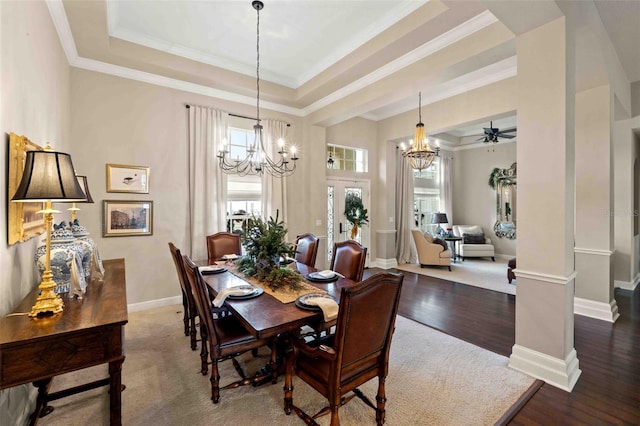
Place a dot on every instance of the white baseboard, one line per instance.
(561, 373)
(158, 303)
(627, 285)
(384, 263)
(598, 310)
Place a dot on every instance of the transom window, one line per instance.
(346, 158)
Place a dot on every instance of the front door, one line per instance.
(338, 228)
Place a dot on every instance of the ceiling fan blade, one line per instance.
(480, 139)
(506, 136)
(509, 130)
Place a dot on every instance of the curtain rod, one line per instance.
(242, 116)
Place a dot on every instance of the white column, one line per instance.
(594, 205)
(544, 345)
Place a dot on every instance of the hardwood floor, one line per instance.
(607, 392)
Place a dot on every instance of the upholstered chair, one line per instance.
(358, 351)
(223, 336)
(307, 249)
(223, 243)
(188, 304)
(431, 253)
(474, 242)
(348, 259)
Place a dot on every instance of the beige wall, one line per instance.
(474, 202)
(121, 121)
(34, 103)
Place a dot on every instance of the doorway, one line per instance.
(338, 229)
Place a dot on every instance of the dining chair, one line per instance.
(307, 249)
(348, 259)
(222, 243)
(224, 335)
(358, 351)
(189, 306)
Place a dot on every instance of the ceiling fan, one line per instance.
(491, 134)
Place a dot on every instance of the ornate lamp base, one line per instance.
(48, 303)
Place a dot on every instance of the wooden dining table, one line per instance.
(265, 316)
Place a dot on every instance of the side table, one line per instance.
(453, 243)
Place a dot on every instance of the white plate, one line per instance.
(230, 256)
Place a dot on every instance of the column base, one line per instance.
(561, 373)
(598, 310)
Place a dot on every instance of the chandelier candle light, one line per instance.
(420, 155)
(258, 159)
(48, 177)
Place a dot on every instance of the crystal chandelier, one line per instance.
(258, 159)
(420, 155)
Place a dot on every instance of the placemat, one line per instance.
(284, 295)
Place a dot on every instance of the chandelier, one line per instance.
(420, 155)
(258, 159)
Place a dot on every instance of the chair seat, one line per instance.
(445, 254)
(475, 248)
(231, 332)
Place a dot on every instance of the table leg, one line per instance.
(115, 392)
(42, 402)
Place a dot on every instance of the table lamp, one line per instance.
(48, 177)
(82, 181)
(439, 218)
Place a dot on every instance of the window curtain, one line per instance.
(446, 187)
(207, 183)
(274, 189)
(405, 249)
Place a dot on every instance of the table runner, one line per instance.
(284, 295)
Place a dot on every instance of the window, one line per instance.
(243, 192)
(345, 158)
(426, 196)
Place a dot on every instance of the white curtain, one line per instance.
(405, 248)
(207, 183)
(446, 187)
(274, 189)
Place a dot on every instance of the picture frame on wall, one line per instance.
(125, 218)
(123, 178)
(23, 220)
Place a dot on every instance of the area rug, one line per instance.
(434, 379)
(478, 272)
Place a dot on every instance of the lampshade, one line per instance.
(48, 176)
(82, 181)
(439, 218)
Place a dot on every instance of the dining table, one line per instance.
(265, 316)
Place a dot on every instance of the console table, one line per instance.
(90, 331)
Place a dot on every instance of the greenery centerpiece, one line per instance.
(355, 212)
(265, 245)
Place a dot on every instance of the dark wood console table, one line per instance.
(90, 331)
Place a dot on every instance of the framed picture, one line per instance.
(126, 218)
(121, 178)
(23, 221)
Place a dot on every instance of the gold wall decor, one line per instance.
(23, 220)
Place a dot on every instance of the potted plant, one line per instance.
(355, 213)
(265, 245)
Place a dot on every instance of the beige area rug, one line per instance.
(434, 379)
(478, 272)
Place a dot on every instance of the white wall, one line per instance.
(34, 102)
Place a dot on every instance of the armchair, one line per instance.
(430, 253)
(484, 248)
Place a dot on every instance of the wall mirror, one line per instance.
(505, 183)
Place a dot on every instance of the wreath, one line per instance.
(355, 212)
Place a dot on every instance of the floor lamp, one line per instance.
(48, 177)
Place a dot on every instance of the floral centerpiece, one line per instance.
(265, 245)
(355, 212)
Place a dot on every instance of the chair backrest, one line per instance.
(348, 259)
(365, 324)
(223, 243)
(307, 249)
(202, 300)
(184, 282)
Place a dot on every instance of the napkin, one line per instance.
(210, 268)
(231, 291)
(328, 306)
(328, 273)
